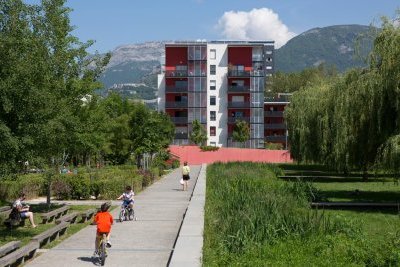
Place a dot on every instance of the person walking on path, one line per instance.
(185, 176)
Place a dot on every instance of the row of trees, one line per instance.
(241, 133)
(48, 109)
(353, 120)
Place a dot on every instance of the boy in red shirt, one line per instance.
(103, 220)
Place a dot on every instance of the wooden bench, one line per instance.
(18, 256)
(9, 247)
(5, 213)
(87, 215)
(5, 208)
(54, 214)
(71, 218)
(51, 234)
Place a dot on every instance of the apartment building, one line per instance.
(216, 83)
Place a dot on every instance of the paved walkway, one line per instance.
(148, 241)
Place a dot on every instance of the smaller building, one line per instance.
(275, 128)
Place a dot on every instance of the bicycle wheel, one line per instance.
(131, 214)
(103, 253)
(122, 215)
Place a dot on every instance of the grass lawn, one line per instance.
(374, 224)
(24, 234)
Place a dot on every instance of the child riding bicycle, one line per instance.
(127, 198)
(103, 220)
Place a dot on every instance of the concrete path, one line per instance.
(148, 241)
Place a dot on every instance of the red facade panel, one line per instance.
(175, 56)
(240, 56)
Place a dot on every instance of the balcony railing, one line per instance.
(277, 99)
(176, 104)
(176, 73)
(239, 89)
(257, 73)
(275, 138)
(179, 120)
(197, 73)
(257, 58)
(273, 114)
(181, 136)
(174, 89)
(275, 126)
(238, 105)
(239, 73)
(234, 119)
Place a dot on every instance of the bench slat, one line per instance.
(49, 216)
(19, 255)
(48, 234)
(9, 247)
(4, 208)
(86, 215)
(71, 218)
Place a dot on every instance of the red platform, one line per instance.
(193, 155)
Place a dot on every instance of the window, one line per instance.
(213, 69)
(213, 85)
(213, 115)
(213, 101)
(213, 144)
(213, 131)
(213, 54)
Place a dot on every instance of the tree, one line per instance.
(43, 75)
(241, 132)
(151, 131)
(198, 135)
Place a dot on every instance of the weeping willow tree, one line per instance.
(353, 121)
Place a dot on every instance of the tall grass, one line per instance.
(249, 212)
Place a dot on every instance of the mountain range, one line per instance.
(134, 67)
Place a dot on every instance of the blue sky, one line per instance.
(118, 22)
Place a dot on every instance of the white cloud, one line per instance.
(257, 24)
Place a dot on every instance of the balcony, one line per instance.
(239, 73)
(276, 138)
(260, 73)
(181, 136)
(233, 120)
(275, 126)
(257, 58)
(174, 89)
(179, 120)
(176, 104)
(197, 73)
(283, 98)
(238, 104)
(176, 73)
(273, 114)
(239, 89)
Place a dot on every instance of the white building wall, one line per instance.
(221, 122)
(161, 92)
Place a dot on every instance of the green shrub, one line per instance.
(61, 189)
(209, 148)
(30, 184)
(273, 146)
(80, 186)
(175, 164)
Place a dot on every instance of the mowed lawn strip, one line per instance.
(25, 233)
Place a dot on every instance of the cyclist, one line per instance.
(103, 220)
(127, 197)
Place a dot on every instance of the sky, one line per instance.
(119, 22)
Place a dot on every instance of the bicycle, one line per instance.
(126, 213)
(102, 249)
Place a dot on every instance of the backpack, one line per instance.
(14, 219)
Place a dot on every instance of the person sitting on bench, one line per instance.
(24, 209)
